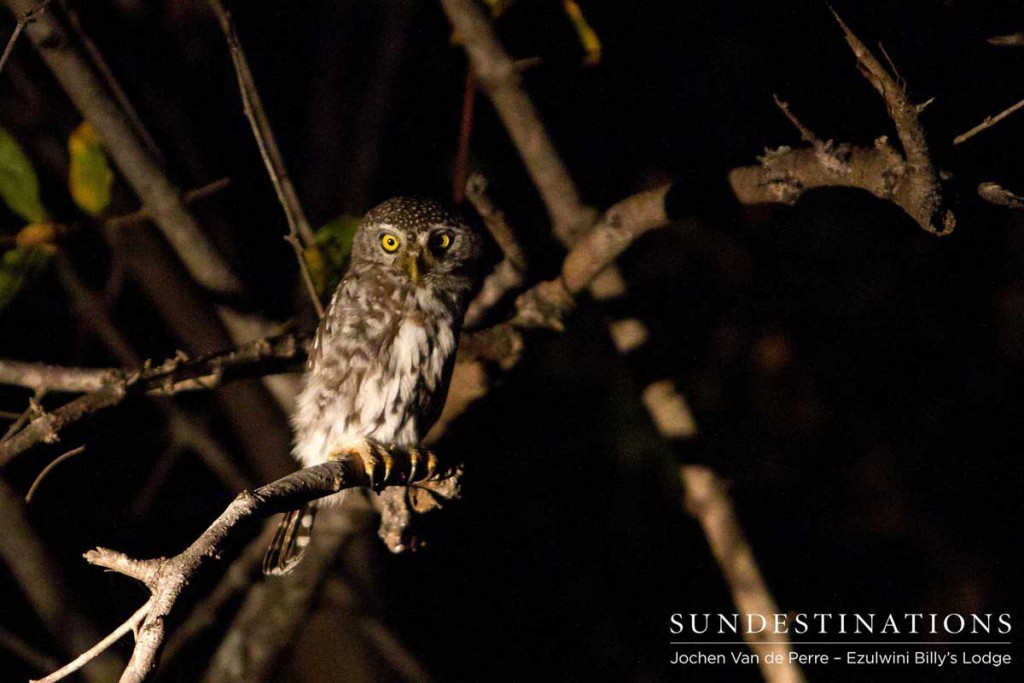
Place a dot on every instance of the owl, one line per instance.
(382, 357)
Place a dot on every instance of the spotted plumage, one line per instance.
(382, 357)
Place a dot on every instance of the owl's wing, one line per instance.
(327, 324)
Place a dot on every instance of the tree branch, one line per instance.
(570, 218)
(997, 194)
(988, 123)
(300, 235)
(510, 273)
(908, 180)
(708, 502)
(263, 356)
(354, 465)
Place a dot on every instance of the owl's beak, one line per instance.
(417, 266)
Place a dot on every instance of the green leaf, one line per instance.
(19, 186)
(19, 267)
(334, 242)
(89, 178)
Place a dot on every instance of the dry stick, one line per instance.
(708, 501)
(174, 375)
(23, 19)
(569, 218)
(510, 273)
(96, 650)
(988, 123)
(997, 194)
(24, 417)
(53, 377)
(300, 235)
(243, 572)
(167, 578)
(918, 192)
(49, 468)
(908, 180)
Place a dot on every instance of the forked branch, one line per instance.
(357, 464)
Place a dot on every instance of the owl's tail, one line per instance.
(290, 542)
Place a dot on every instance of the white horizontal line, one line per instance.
(812, 642)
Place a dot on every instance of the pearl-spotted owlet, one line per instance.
(382, 357)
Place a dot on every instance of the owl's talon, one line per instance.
(376, 459)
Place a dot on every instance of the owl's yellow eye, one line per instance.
(389, 243)
(442, 240)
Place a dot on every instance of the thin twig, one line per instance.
(189, 197)
(81, 660)
(510, 273)
(300, 235)
(112, 83)
(49, 468)
(805, 133)
(988, 123)
(24, 417)
(23, 20)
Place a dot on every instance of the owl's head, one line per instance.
(417, 240)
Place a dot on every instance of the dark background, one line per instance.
(856, 380)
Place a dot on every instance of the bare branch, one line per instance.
(352, 466)
(257, 358)
(917, 191)
(510, 273)
(1008, 40)
(988, 123)
(23, 19)
(96, 650)
(708, 502)
(570, 217)
(300, 235)
(49, 468)
(499, 77)
(997, 194)
(54, 377)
